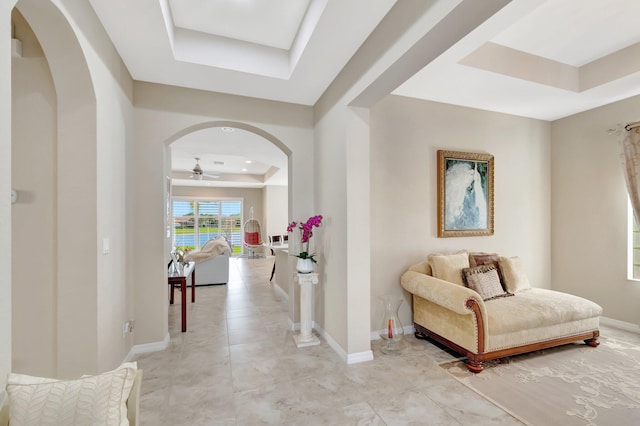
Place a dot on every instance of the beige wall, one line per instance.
(405, 137)
(403, 43)
(93, 91)
(5, 191)
(330, 240)
(33, 245)
(589, 210)
(276, 209)
(162, 115)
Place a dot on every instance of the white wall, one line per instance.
(162, 115)
(33, 245)
(589, 210)
(405, 137)
(276, 209)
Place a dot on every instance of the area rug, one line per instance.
(569, 385)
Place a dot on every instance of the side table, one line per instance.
(181, 280)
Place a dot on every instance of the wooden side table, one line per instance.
(175, 279)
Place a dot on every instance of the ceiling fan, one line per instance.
(198, 173)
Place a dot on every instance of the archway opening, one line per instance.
(228, 165)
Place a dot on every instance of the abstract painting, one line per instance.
(465, 194)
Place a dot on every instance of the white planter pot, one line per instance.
(304, 266)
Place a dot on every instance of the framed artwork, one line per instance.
(465, 194)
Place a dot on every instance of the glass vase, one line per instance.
(391, 331)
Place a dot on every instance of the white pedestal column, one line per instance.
(306, 337)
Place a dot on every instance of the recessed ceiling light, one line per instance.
(244, 170)
(228, 129)
(248, 161)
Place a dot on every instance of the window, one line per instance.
(197, 221)
(635, 249)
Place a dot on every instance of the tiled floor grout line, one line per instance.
(248, 371)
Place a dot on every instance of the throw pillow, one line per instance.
(477, 259)
(449, 267)
(90, 400)
(513, 274)
(252, 238)
(485, 281)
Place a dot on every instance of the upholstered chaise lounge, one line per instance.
(486, 323)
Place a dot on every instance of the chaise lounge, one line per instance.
(483, 307)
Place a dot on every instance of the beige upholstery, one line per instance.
(534, 318)
(133, 404)
(212, 262)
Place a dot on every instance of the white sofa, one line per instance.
(212, 262)
(481, 328)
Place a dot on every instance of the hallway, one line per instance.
(237, 365)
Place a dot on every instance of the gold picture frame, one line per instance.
(465, 194)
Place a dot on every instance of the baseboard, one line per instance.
(293, 326)
(331, 342)
(360, 357)
(348, 358)
(146, 348)
(622, 325)
(280, 291)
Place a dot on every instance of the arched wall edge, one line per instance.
(238, 125)
(76, 151)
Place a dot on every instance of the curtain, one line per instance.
(630, 144)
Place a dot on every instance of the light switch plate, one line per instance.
(105, 246)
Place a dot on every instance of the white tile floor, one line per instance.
(237, 365)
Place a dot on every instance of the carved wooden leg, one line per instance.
(474, 366)
(474, 363)
(420, 335)
(593, 342)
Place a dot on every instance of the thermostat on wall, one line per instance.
(14, 196)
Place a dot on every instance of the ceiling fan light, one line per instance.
(197, 170)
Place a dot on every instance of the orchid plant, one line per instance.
(306, 232)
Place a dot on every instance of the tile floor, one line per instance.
(237, 365)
